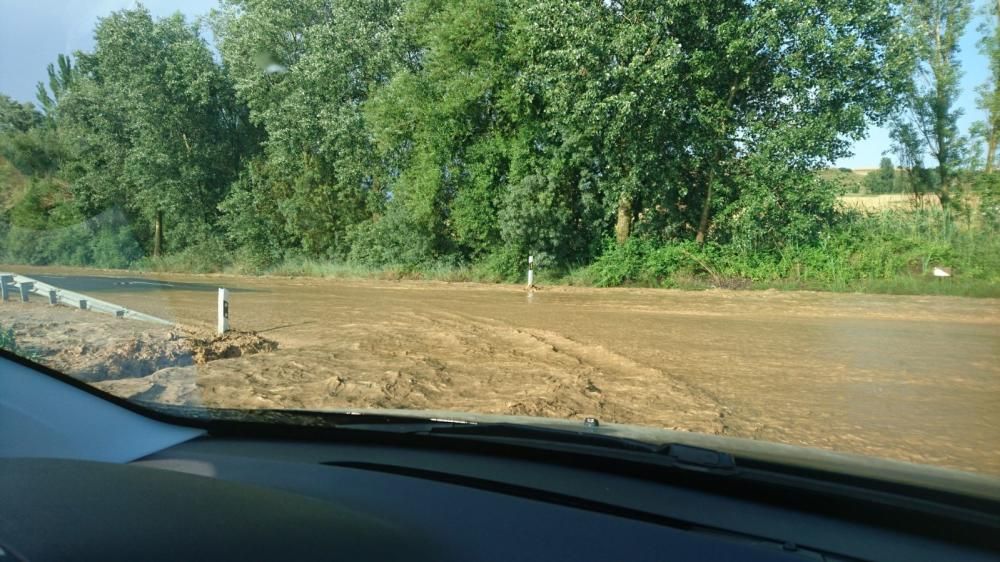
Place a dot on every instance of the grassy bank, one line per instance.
(887, 252)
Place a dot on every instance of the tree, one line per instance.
(16, 116)
(883, 180)
(305, 69)
(61, 75)
(930, 118)
(602, 80)
(676, 100)
(989, 92)
(23, 142)
(151, 125)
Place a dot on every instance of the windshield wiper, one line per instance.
(683, 456)
(516, 431)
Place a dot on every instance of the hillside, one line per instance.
(12, 184)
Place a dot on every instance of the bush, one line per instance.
(210, 255)
(641, 261)
(8, 343)
(855, 251)
(776, 207)
(392, 240)
(103, 241)
(253, 222)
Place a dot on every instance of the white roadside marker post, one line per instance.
(223, 311)
(531, 272)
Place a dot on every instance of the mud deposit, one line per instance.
(97, 348)
(910, 378)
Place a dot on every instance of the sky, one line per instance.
(34, 32)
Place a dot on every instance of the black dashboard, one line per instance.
(229, 499)
(82, 477)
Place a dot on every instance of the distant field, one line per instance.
(885, 201)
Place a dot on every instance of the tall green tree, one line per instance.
(676, 101)
(305, 68)
(989, 91)
(882, 180)
(930, 118)
(151, 125)
(24, 142)
(61, 75)
(16, 116)
(468, 177)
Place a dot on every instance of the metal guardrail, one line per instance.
(9, 282)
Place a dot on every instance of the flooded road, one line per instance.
(909, 378)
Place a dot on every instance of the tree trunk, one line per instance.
(705, 210)
(991, 144)
(158, 234)
(623, 226)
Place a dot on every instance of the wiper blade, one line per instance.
(683, 456)
(675, 454)
(292, 417)
(355, 419)
(548, 434)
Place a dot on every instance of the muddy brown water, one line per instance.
(910, 378)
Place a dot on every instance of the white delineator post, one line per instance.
(223, 311)
(531, 272)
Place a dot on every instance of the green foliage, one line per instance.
(15, 116)
(149, 122)
(883, 180)
(844, 180)
(8, 341)
(763, 218)
(36, 235)
(253, 221)
(989, 94)
(450, 140)
(62, 74)
(209, 255)
(929, 120)
(856, 252)
(304, 69)
(988, 188)
(394, 239)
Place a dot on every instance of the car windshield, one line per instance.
(774, 220)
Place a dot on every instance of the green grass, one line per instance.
(306, 267)
(8, 342)
(889, 252)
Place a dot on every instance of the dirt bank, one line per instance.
(910, 378)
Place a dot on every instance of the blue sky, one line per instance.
(34, 32)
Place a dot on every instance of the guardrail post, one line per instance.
(26, 288)
(83, 304)
(5, 287)
(53, 297)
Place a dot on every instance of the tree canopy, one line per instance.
(423, 131)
